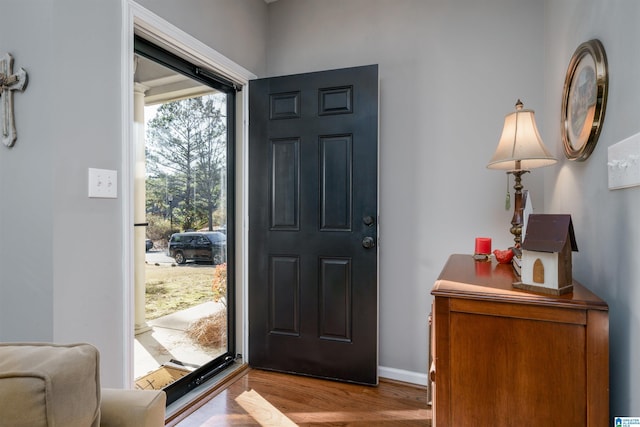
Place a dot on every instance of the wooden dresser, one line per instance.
(507, 357)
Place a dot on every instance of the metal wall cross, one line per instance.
(9, 83)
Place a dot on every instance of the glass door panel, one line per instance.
(182, 202)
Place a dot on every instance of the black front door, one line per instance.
(313, 285)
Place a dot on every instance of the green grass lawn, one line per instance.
(173, 288)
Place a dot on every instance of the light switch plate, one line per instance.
(103, 183)
(623, 163)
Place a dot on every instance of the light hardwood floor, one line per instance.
(261, 398)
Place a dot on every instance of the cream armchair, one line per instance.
(59, 385)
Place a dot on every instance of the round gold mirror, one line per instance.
(584, 100)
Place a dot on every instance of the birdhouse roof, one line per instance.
(549, 233)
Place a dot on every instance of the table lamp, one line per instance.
(520, 149)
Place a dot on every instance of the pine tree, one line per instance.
(186, 147)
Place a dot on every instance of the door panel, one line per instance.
(335, 187)
(285, 208)
(284, 290)
(335, 299)
(313, 291)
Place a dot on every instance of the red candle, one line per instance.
(483, 245)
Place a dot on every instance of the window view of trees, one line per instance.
(186, 154)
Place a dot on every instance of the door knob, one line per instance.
(368, 242)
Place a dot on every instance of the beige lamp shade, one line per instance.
(520, 141)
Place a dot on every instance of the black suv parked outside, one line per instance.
(208, 246)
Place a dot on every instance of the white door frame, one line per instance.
(138, 20)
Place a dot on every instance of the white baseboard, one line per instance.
(402, 375)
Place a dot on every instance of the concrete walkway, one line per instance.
(167, 340)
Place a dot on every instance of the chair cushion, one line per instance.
(132, 408)
(49, 385)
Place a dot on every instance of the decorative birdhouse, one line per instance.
(546, 254)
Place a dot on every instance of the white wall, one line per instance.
(236, 29)
(26, 180)
(61, 264)
(85, 106)
(606, 222)
(449, 73)
(61, 259)
(448, 76)
(450, 70)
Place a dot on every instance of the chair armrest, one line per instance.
(132, 408)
